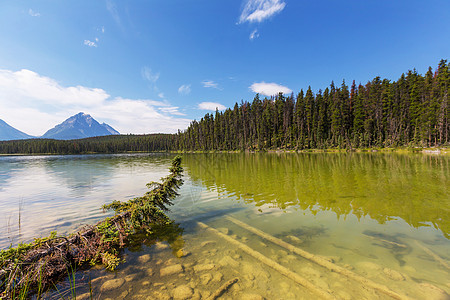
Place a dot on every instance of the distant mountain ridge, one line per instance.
(110, 129)
(8, 133)
(79, 126)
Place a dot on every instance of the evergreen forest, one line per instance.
(412, 111)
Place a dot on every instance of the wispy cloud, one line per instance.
(33, 13)
(148, 75)
(260, 10)
(254, 34)
(91, 43)
(112, 8)
(185, 89)
(173, 110)
(211, 106)
(269, 89)
(35, 103)
(210, 84)
(161, 95)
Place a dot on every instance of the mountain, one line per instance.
(8, 133)
(110, 129)
(79, 126)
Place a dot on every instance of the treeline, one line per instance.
(414, 110)
(103, 144)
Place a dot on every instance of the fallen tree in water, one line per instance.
(33, 268)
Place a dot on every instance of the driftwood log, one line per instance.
(320, 261)
(32, 268)
(271, 263)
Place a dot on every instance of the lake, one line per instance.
(271, 225)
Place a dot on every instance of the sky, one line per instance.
(147, 66)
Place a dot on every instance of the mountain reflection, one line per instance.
(382, 186)
(81, 173)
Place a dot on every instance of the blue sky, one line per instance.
(153, 66)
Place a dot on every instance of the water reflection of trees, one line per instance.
(9, 166)
(414, 188)
(172, 233)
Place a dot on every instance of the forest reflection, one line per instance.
(383, 186)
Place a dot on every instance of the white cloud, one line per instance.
(148, 75)
(148, 101)
(260, 10)
(34, 103)
(173, 110)
(210, 84)
(28, 84)
(33, 13)
(269, 89)
(185, 89)
(254, 34)
(90, 43)
(94, 43)
(211, 106)
(161, 95)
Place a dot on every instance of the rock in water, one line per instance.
(170, 270)
(204, 267)
(182, 292)
(112, 284)
(182, 253)
(144, 258)
(394, 275)
(205, 278)
(145, 283)
(218, 277)
(160, 246)
(85, 296)
(160, 296)
(130, 277)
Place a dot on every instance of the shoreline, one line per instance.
(428, 150)
(445, 150)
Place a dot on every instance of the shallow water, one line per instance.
(61, 193)
(380, 222)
